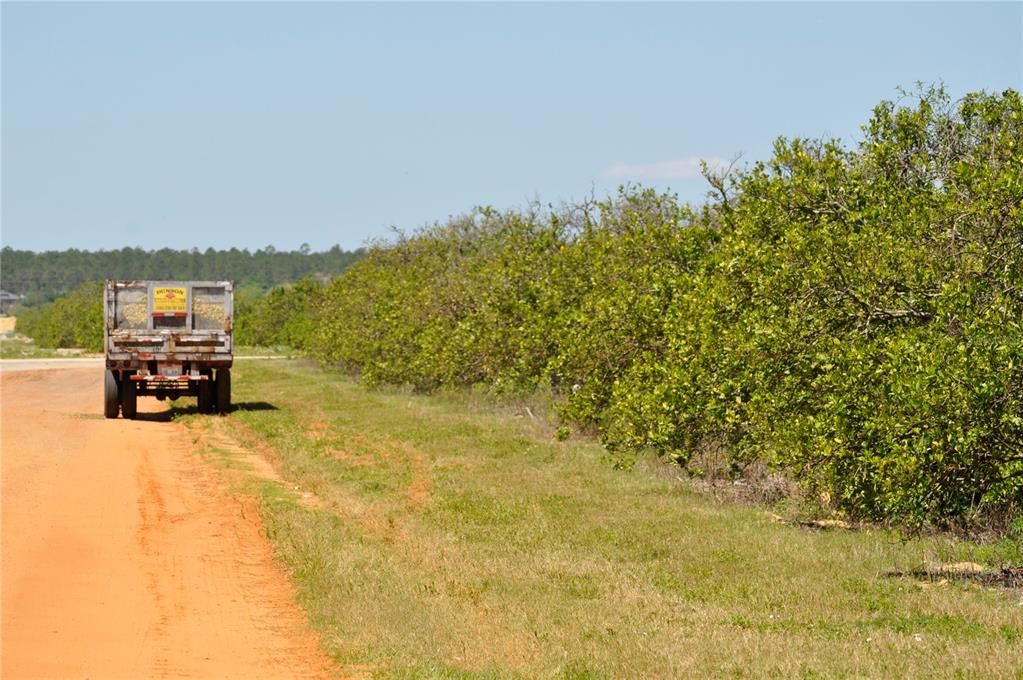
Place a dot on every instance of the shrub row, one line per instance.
(849, 315)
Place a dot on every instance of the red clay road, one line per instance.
(123, 557)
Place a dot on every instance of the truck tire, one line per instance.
(223, 390)
(111, 395)
(206, 393)
(129, 397)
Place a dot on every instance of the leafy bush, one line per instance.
(74, 320)
(851, 316)
(859, 323)
(287, 315)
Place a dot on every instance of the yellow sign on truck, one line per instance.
(170, 300)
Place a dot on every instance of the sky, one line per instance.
(252, 124)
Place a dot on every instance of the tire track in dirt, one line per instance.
(122, 555)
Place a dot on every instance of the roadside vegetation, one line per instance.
(849, 317)
(14, 345)
(285, 317)
(17, 346)
(451, 536)
(74, 320)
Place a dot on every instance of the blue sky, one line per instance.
(253, 124)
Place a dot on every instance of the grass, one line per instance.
(17, 346)
(444, 537)
(265, 351)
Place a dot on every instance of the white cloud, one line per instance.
(681, 168)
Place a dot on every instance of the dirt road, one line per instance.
(122, 557)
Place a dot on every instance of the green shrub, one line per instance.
(849, 316)
(859, 323)
(74, 320)
(287, 315)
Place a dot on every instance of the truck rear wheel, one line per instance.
(206, 392)
(111, 395)
(129, 397)
(223, 390)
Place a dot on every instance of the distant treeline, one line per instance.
(42, 277)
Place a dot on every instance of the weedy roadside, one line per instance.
(440, 537)
(17, 346)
